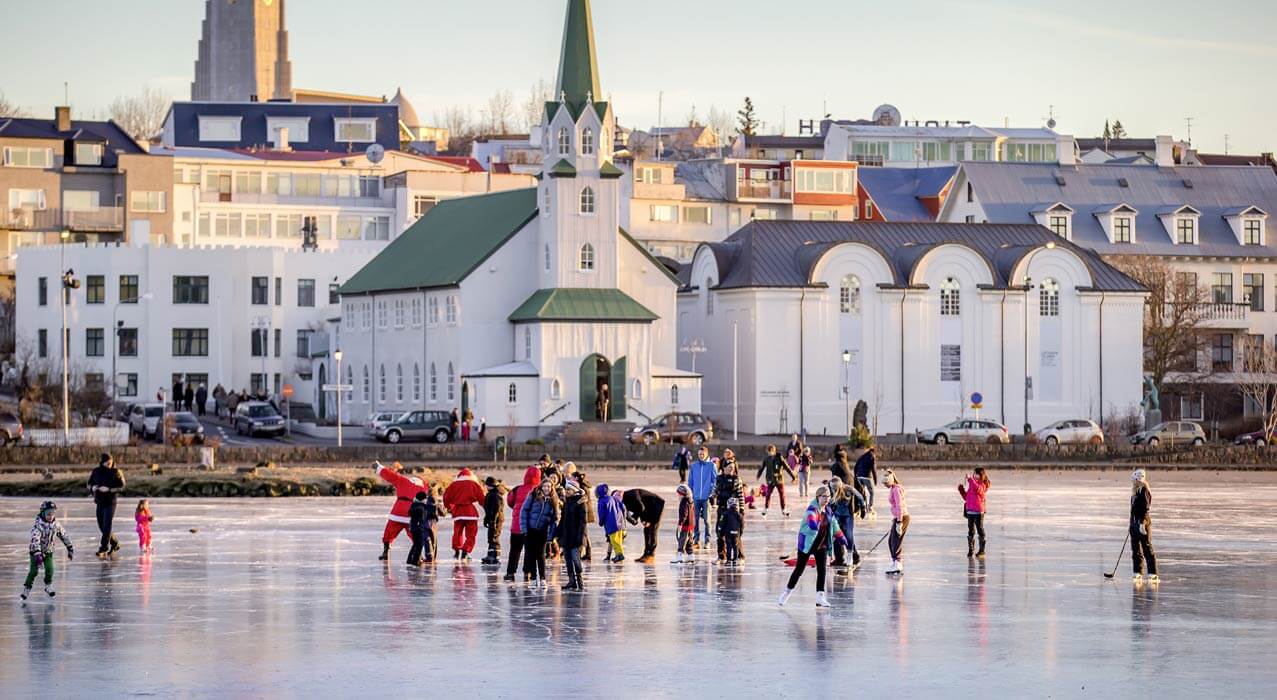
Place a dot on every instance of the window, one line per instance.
(421, 205)
(452, 309)
(709, 297)
(432, 307)
(1121, 229)
(356, 130)
(527, 343)
(416, 312)
(376, 228)
(248, 182)
(219, 128)
(42, 291)
(824, 180)
(547, 257)
(1253, 354)
(1059, 225)
(981, 151)
(1253, 289)
(664, 213)
(95, 289)
(587, 201)
(190, 289)
(95, 342)
(951, 363)
(153, 202)
(190, 342)
(869, 209)
(81, 200)
(129, 385)
(512, 394)
(1221, 352)
(334, 295)
(452, 384)
(128, 342)
(1049, 298)
(556, 389)
(545, 209)
(764, 215)
(1252, 230)
(381, 383)
(416, 383)
(383, 318)
(587, 258)
(42, 342)
(1186, 284)
(399, 383)
(824, 215)
(257, 225)
(1185, 230)
(697, 215)
(128, 289)
(349, 227)
(636, 389)
(279, 291)
(935, 150)
(674, 395)
(849, 295)
(587, 142)
(306, 293)
(950, 297)
(260, 291)
(565, 142)
(434, 384)
(303, 343)
(1190, 407)
(27, 200)
(260, 341)
(648, 176)
(298, 128)
(1221, 288)
(17, 157)
(401, 316)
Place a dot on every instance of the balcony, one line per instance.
(649, 190)
(773, 190)
(1224, 315)
(102, 219)
(32, 219)
(208, 197)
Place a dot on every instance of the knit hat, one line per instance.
(47, 506)
(490, 481)
(1138, 475)
(682, 490)
(571, 488)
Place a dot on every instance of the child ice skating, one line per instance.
(816, 535)
(46, 527)
(571, 533)
(843, 502)
(1141, 528)
(142, 516)
(612, 518)
(973, 496)
(686, 524)
(732, 523)
(422, 516)
(494, 518)
(899, 522)
(538, 518)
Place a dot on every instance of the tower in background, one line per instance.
(243, 52)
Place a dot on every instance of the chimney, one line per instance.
(62, 115)
(1165, 153)
(281, 139)
(1066, 150)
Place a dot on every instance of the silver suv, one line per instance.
(418, 425)
(379, 420)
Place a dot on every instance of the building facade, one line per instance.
(243, 52)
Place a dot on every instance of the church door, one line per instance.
(596, 372)
(617, 384)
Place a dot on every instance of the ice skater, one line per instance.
(973, 496)
(726, 487)
(732, 522)
(406, 488)
(819, 530)
(844, 500)
(643, 506)
(700, 480)
(515, 499)
(46, 527)
(774, 469)
(866, 472)
(494, 517)
(1141, 528)
(612, 518)
(463, 498)
(419, 528)
(804, 471)
(105, 483)
(571, 533)
(899, 522)
(538, 517)
(143, 518)
(686, 522)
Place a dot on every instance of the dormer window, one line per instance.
(1248, 224)
(1122, 226)
(1252, 232)
(1185, 230)
(565, 142)
(88, 154)
(1056, 216)
(587, 142)
(355, 130)
(1059, 225)
(1181, 224)
(1118, 221)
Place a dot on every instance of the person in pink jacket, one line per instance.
(142, 516)
(973, 492)
(899, 522)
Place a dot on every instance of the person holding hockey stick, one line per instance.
(1141, 528)
(899, 522)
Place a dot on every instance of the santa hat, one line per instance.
(465, 473)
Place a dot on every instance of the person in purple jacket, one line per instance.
(612, 518)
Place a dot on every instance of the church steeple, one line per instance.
(578, 65)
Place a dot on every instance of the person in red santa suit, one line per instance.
(406, 489)
(464, 498)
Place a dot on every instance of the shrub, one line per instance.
(860, 437)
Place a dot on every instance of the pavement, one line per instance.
(285, 598)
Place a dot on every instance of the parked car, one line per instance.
(418, 425)
(253, 418)
(966, 430)
(124, 410)
(145, 419)
(1182, 432)
(1259, 438)
(186, 425)
(1072, 432)
(681, 427)
(10, 428)
(379, 420)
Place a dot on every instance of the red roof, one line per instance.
(466, 162)
(501, 168)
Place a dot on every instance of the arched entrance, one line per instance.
(602, 378)
(465, 399)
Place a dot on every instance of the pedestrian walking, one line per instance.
(201, 400)
(188, 398)
(804, 472)
(817, 533)
(866, 471)
(571, 533)
(973, 492)
(643, 506)
(773, 472)
(515, 499)
(40, 551)
(454, 425)
(463, 498)
(538, 517)
(1141, 527)
(682, 462)
(701, 476)
(105, 483)
(899, 522)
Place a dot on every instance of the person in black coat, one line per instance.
(646, 507)
(201, 400)
(417, 527)
(105, 483)
(1141, 527)
(571, 533)
(494, 517)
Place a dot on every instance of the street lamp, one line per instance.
(693, 347)
(846, 387)
(69, 282)
(337, 356)
(1028, 287)
(115, 352)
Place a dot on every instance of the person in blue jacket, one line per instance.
(816, 535)
(612, 518)
(700, 479)
(538, 518)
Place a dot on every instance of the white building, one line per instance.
(242, 317)
(925, 314)
(520, 306)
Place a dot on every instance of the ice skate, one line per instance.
(784, 513)
(49, 589)
(1137, 579)
(26, 592)
(764, 514)
(1153, 579)
(784, 597)
(822, 601)
(678, 558)
(385, 552)
(508, 577)
(618, 559)
(894, 568)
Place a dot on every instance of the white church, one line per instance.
(522, 307)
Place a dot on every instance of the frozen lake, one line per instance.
(285, 598)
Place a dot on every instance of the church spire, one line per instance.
(578, 66)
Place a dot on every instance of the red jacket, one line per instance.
(406, 489)
(464, 496)
(531, 480)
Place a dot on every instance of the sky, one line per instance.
(1150, 63)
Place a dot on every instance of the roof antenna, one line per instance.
(66, 93)
(1225, 144)
(1189, 122)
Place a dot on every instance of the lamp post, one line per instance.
(337, 356)
(115, 351)
(735, 404)
(846, 387)
(693, 347)
(69, 282)
(1028, 287)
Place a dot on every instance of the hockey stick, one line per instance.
(871, 549)
(1119, 556)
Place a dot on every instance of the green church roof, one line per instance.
(563, 169)
(581, 304)
(447, 244)
(609, 171)
(578, 65)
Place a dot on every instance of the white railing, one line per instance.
(1239, 313)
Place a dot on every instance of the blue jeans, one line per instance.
(847, 524)
(702, 516)
(868, 485)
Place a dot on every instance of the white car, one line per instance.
(145, 419)
(966, 430)
(380, 420)
(1071, 432)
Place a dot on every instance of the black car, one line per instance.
(187, 425)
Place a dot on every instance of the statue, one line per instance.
(1152, 401)
(861, 414)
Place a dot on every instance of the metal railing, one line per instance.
(634, 408)
(776, 189)
(32, 219)
(317, 200)
(100, 219)
(555, 412)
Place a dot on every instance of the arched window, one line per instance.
(636, 392)
(565, 142)
(527, 343)
(950, 297)
(1049, 298)
(350, 382)
(674, 395)
(587, 201)
(849, 295)
(556, 389)
(587, 257)
(547, 257)
(381, 383)
(416, 383)
(709, 297)
(452, 384)
(399, 383)
(367, 386)
(434, 384)
(587, 142)
(513, 394)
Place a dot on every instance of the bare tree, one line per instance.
(142, 116)
(10, 109)
(641, 145)
(1258, 383)
(460, 125)
(534, 106)
(723, 124)
(1174, 319)
(8, 321)
(499, 113)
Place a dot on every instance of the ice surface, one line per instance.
(284, 598)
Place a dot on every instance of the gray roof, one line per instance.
(897, 191)
(703, 179)
(1010, 191)
(784, 253)
(775, 141)
(1108, 145)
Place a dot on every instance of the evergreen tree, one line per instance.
(747, 119)
(1108, 133)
